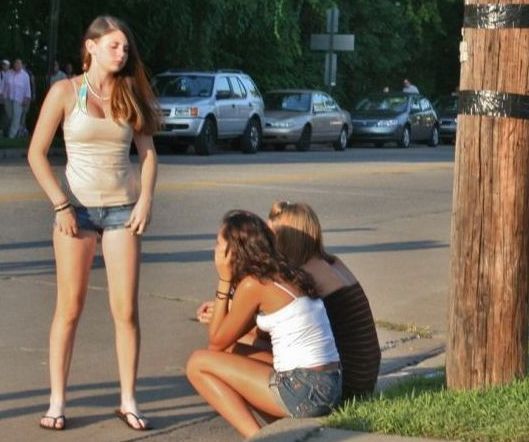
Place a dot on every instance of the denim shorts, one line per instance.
(99, 219)
(303, 392)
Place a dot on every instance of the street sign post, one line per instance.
(331, 42)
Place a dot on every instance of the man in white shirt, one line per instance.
(409, 88)
(17, 95)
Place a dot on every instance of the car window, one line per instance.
(243, 89)
(319, 103)
(251, 87)
(290, 102)
(415, 106)
(382, 103)
(236, 88)
(223, 86)
(330, 104)
(183, 85)
(447, 104)
(425, 105)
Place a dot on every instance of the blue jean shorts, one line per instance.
(303, 392)
(99, 219)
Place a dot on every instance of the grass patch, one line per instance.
(421, 332)
(423, 407)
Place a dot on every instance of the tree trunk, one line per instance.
(487, 330)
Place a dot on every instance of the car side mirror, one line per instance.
(222, 95)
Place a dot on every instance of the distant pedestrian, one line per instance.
(23, 130)
(17, 91)
(4, 69)
(57, 73)
(408, 87)
(68, 70)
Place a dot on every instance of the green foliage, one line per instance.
(269, 39)
(424, 407)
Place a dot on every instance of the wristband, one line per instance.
(225, 280)
(221, 295)
(63, 207)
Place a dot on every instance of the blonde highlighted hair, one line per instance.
(298, 232)
(132, 98)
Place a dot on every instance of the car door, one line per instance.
(243, 111)
(226, 108)
(334, 119)
(415, 119)
(320, 119)
(428, 117)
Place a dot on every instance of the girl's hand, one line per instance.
(223, 261)
(66, 223)
(205, 312)
(140, 217)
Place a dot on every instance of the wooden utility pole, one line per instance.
(487, 331)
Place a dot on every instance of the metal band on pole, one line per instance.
(495, 16)
(494, 104)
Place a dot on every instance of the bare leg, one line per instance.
(233, 384)
(122, 256)
(73, 258)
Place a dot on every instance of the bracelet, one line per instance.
(221, 295)
(63, 207)
(225, 280)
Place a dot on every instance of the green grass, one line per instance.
(423, 407)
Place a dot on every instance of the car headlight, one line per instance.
(186, 111)
(282, 124)
(387, 123)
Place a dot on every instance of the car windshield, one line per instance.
(447, 104)
(183, 85)
(290, 102)
(382, 103)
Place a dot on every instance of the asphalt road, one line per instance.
(385, 212)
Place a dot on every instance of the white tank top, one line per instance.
(300, 333)
(98, 172)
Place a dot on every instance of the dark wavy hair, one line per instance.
(254, 253)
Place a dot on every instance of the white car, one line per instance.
(302, 117)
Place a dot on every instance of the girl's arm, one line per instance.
(51, 114)
(141, 214)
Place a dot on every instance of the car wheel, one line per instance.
(303, 143)
(251, 139)
(280, 147)
(206, 142)
(434, 137)
(341, 142)
(379, 144)
(405, 138)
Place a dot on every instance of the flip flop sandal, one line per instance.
(53, 426)
(142, 422)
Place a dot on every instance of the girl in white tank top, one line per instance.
(305, 379)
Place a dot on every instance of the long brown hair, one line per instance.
(132, 98)
(254, 253)
(298, 232)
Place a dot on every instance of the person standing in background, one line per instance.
(57, 73)
(4, 69)
(17, 94)
(408, 87)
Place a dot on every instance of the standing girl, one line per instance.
(101, 112)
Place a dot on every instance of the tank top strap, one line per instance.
(282, 287)
(82, 95)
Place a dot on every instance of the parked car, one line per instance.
(446, 108)
(204, 107)
(395, 117)
(300, 117)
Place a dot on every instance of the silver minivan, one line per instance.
(201, 108)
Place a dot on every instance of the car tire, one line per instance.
(280, 147)
(405, 138)
(341, 142)
(206, 141)
(252, 137)
(303, 143)
(379, 144)
(434, 137)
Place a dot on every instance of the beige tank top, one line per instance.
(98, 171)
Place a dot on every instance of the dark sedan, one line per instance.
(397, 117)
(447, 110)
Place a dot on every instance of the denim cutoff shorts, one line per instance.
(99, 219)
(303, 392)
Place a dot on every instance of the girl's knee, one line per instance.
(197, 362)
